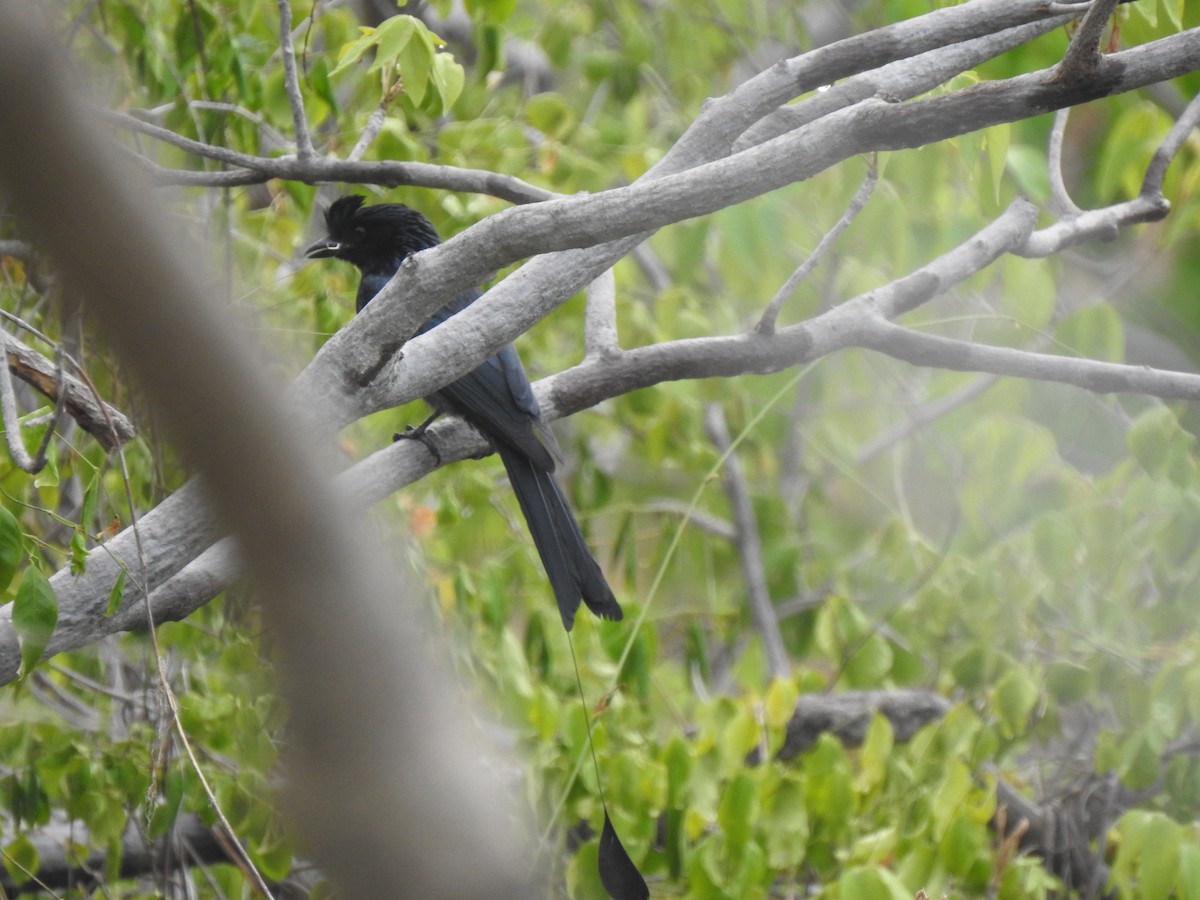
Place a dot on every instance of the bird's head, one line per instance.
(372, 236)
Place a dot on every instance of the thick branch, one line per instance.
(105, 423)
(352, 359)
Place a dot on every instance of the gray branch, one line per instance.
(749, 546)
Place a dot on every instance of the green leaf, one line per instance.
(1189, 872)
(21, 859)
(353, 51)
(549, 113)
(491, 10)
(448, 79)
(1159, 863)
(1093, 332)
(738, 738)
(1014, 699)
(116, 595)
(875, 753)
(415, 61)
(11, 545)
(1140, 759)
(1028, 166)
(996, 143)
(318, 79)
(779, 705)
(872, 884)
(394, 35)
(1068, 682)
(785, 825)
(872, 660)
(79, 537)
(1174, 10)
(738, 812)
(950, 796)
(679, 760)
(1160, 444)
(35, 613)
(1148, 11)
(49, 476)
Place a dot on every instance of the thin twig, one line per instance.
(1059, 195)
(248, 114)
(749, 545)
(714, 525)
(766, 325)
(375, 121)
(1156, 172)
(12, 427)
(304, 144)
(1083, 53)
(922, 417)
(252, 169)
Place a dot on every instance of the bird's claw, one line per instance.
(419, 434)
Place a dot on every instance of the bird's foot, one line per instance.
(419, 434)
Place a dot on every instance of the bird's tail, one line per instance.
(574, 573)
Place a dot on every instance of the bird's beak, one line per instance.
(323, 248)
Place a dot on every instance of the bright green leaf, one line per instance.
(11, 545)
(872, 884)
(738, 812)
(21, 859)
(785, 825)
(875, 753)
(394, 35)
(779, 704)
(996, 141)
(448, 78)
(1159, 863)
(415, 61)
(116, 595)
(353, 51)
(1014, 699)
(35, 613)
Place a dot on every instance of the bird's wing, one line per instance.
(497, 398)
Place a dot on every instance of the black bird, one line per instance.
(495, 398)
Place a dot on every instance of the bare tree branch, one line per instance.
(355, 372)
(600, 325)
(1089, 374)
(1156, 172)
(252, 169)
(922, 417)
(105, 423)
(749, 546)
(291, 83)
(12, 428)
(766, 324)
(1083, 54)
(1059, 195)
(16, 249)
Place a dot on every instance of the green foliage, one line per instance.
(1030, 554)
(34, 615)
